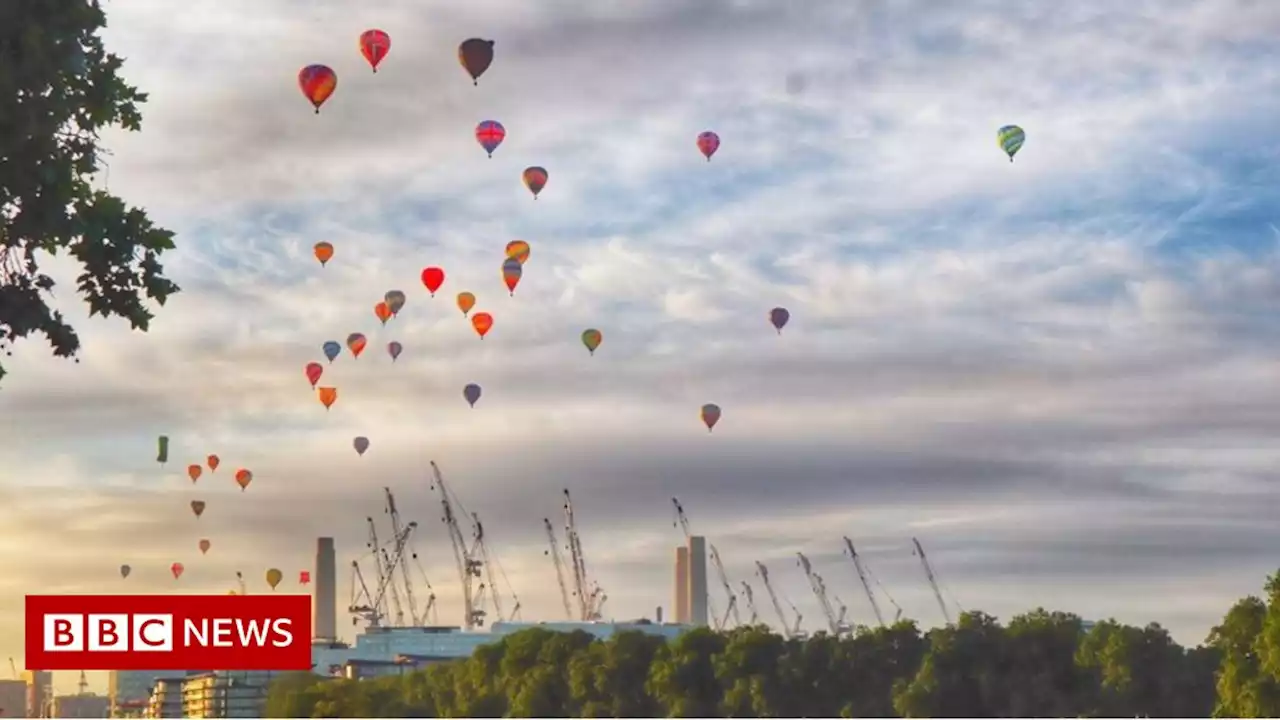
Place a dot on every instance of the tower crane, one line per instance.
(13, 668)
(398, 530)
(590, 595)
(933, 581)
(819, 591)
(842, 615)
(385, 573)
(795, 630)
(240, 583)
(750, 597)
(731, 610)
(428, 616)
(763, 572)
(862, 576)
(372, 604)
(491, 575)
(465, 556)
(553, 551)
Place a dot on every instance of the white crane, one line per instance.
(591, 596)
(787, 628)
(933, 581)
(553, 550)
(819, 591)
(401, 533)
(492, 571)
(866, 584)
(464, 556)
(731, 610)
(750, 597)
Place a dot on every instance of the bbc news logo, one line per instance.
(168, 632)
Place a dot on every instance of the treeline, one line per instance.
(1042, 664)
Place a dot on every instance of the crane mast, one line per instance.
(240, 583)
(795, 630)
(386, 573)
(491, 577)
(819, 591)
(464, 557)
(731, 610)
(590, 595)
(862, 576)
(398, 530)
(750, 597)
(554, 552)
(763, 572)
(933, 581)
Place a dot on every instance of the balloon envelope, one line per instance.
(511, 272)
(535, 178)
(313, 372)
(332, 349)
(374, 46)
(394, 349)
(176, 569)
(476, 56)
(490, 135)
(710, 415)
(395, 300)
(779, 317)
(243, 478)
(194, 472)
(519, 250)
(328, 396)
(274, 577)
(356, 343)
(708, 143)
(466, 301)
(162, 449)
(317, 83)
(1011, 139)
(204, 546)
(592, 338)
(482, 322)
(125, 570)
(361, 444)
(197, 507)
(213, 462)
(472, 393)
(323, 252)
(432, 279)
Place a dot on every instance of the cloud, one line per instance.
(1056, 373)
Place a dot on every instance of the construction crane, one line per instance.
(795, 631)
(482, 548)
(763, 572)
(897, 609)
(862, 576)
(428, 615)
(465, 557)
(842, 615)
(13, 668)
(372, 604)
(402, 535)
(363, 602)
(819, 591)
(553, 551)
(933, 581)
(590, 595)
(731, 610)
(751, 603)
(386, 573)
(240, 583)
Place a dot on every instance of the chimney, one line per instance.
(698, 596)
(325, 592)
(657, 613)
(682, 586)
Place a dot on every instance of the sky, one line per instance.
(1060, 373)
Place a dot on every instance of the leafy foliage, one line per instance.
(58, 89)
(1042, 664)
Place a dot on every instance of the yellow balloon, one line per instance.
(274, 577)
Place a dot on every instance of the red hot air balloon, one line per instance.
(708, 143)
(374, 46)
(482, 322)
(490, 135)
(535, 178)
(317, 83)
(432, 279)
(314, 371)
(176, 569)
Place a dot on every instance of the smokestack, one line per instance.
(657, 613)
(682, 586)
(325, 593)
(698, 581)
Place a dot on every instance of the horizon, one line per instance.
(1058, 373)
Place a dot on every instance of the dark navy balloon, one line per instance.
(472, 393)
(779, 317)
(332, 350)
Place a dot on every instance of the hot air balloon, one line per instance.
(708, 143)
(213, 462)
(519, 250)
(475, 55)
(243, 478)
(374, 46)
(471, 393)
(432, 279)
(1011, 138)
(710, 415)
(535, 178)
(317, 82)
(304, 577)
(323, 252)
(194, 472)
(466, 301)
(361, 444)
(204, 547)
(328, 396)
(482, 322)
(394, 349)
(395, 300)
(511, 272)
(592, 338)
(382, 312)
(162, 449)
(274, 577)
(332, 349)
(779, 317)
(125, 570)
(197, 507)
(176, 569)
(356, 343)
(313, 371)
(490, 135)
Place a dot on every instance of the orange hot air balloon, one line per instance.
(383, 312)
(176, 569)
(519, 250)
(374, 46)
(317, 83)
(482, 322)
(194, 472)
(328, 396)
(466, 301)
(213, 462)
(204, 547)
(323, 252)
(243, 478)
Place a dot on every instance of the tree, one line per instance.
(1244, 688)
(58, 89)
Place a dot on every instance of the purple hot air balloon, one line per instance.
(394, 348)
(472, 393)
(710, 415)
(779, 317)
(361, 444)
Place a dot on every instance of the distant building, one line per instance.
(681, 600)
(129, 691)
(699, 595)
(166, 697)
(226, 694)
(13, 698)
(39, 693)
(87, 705)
